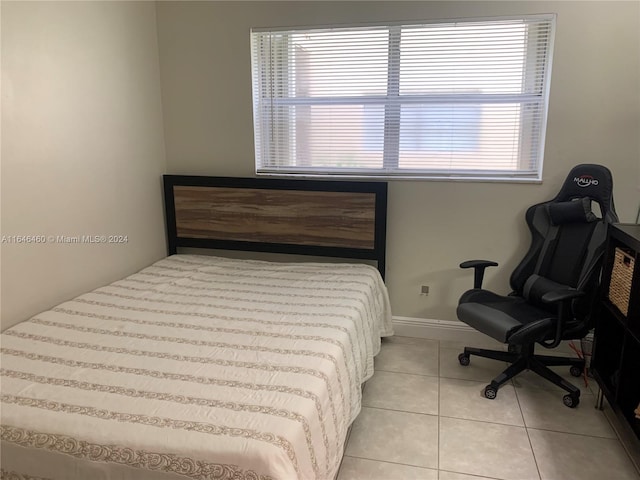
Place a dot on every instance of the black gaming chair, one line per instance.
(554, 286)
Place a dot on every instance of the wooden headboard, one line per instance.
(304, 217)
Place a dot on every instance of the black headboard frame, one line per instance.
(305, 217)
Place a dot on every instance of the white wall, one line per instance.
(594, 116)
(82, 147)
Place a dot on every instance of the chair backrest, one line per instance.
(568, 239)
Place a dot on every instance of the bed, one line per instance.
(208, 367)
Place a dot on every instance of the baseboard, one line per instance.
(445, 330)
(452, 331)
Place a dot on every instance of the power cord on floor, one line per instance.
(581, 355)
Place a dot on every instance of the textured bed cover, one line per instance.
(196, 367)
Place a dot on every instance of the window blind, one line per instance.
(453, 99)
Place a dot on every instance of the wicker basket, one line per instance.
(621, 276)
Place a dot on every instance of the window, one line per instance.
(454, 99)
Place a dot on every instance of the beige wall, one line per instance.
(594, 116)
(82, 147)
(82, 140)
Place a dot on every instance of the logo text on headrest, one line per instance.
(585, 181)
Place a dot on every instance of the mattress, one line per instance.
(195, 367)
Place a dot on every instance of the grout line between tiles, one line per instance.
(407, 373)
(393, 463)
(480, 477)
(615, 439)
(533, 452)
(438, 444)
(483, 421)
(401, 411)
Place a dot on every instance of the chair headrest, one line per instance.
(591, 181)
(573, 211)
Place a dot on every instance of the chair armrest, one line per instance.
(478, 263)
(561, 297)
(478, 266)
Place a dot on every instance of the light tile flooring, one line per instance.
(424, 418)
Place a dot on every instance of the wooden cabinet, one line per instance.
(616, 353)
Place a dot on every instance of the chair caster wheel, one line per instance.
(575, 371)
(571, 400)
(490, 392)
(464, 360)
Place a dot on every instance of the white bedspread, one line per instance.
(196, 367)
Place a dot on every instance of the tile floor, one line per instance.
(424, 418)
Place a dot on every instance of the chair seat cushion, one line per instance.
(501, 317)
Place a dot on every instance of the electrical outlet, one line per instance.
(424, 290)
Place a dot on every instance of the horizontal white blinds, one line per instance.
(455, 99)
